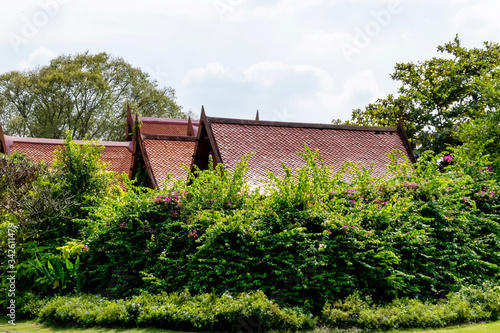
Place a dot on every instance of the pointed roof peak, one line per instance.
(190, 128)
(257, 115)
(203, 115)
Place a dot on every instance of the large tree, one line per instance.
(437, 96)
(83, 93)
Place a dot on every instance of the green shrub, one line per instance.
(175, 311)
(470, 304)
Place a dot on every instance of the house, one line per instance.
(273, 142)
(156, 147)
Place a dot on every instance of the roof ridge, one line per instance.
(235, 121)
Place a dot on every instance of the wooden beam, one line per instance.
(145, 157)
(3, 145)
(190, 128)
(130, 124)
(215, 120)
(406, 142)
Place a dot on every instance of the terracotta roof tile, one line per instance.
(166, 126)
(166, 156)
(273, 144)
(119, 154)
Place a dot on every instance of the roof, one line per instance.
(166, 126)
(119, 154)
(164, 144)
(275, 142)
(165, 155)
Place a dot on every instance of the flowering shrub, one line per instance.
(417, 231)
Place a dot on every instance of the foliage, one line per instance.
(470, 304)
(30, 195)
(82, 174)
(47, 205)
(437, 95)
(83, 93)
(180, 311)
(254, 311)
(420, 230)
(482, 134)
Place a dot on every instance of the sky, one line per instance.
(293, 60)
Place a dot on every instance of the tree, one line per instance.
(83, 93)
(482, 135)
(436, 96)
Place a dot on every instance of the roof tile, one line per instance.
(273, 144)
(166, 157)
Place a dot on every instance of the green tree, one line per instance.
(83, 93)
(436, 96)
(482, 135)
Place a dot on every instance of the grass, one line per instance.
(34, 327)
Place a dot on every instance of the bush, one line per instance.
(414, 232)
(470, 304)
(180, 311)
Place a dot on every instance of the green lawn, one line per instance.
(30, 326)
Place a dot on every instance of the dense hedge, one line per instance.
(312, 237)
(254, 311)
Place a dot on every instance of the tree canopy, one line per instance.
(438, 96)
(82, 93)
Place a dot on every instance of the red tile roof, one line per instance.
(275, 142)
(166, 126)
(119, 154)
(165, 156)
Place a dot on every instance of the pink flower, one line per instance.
(85, 248)
(447, 158)
(344, 227)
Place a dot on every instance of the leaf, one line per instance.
(69, 265)
(56, 284)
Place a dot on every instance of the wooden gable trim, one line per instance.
(190, 128)
(129, 127)
(137, 152)
(145, 157)
(406, 142)
(211, 137)
(233, 121)
(205, 145)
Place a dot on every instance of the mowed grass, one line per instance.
(31, 326)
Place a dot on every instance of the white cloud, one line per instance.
(480, 17)
(325, 43)
(284, 7)
(281, 92)
(40, 57)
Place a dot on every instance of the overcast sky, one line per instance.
(294, 60)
